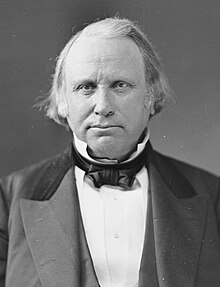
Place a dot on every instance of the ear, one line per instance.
(62, 108)
(152, 109)
(149, 102)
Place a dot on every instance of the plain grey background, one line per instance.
(187, 36)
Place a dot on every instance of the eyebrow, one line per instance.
(81, 81)
(78, 82)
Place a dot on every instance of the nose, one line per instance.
(103, 103)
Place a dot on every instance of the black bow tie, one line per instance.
(122, 174)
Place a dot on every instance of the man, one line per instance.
(109, 211)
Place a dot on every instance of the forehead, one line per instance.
(116, 55)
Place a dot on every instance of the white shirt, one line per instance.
(114, 222)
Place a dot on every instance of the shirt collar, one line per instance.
(82, 149)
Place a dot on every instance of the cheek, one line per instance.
(137, 120)
(77, 119)
(73, 108)
(135, 112)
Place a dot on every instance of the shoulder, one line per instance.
(196, 176)
(41, 176)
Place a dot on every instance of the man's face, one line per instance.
(106, 95)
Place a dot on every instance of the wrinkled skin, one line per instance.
(106, 95)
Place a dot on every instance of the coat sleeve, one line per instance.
(4, 211)
(217, 208)
(212, 184)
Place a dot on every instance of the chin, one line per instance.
(110, 149)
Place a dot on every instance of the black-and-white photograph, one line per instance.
(109, 143)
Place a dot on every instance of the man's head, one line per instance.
(108, 83)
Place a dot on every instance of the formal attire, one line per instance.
(114, 220)
(43, 240)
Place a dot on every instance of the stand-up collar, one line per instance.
(82, 149)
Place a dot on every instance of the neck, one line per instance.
(86, 152)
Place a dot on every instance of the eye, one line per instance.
(87, 88)
(121, 85)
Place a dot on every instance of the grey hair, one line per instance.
(110, 28)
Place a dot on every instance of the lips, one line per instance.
(104, 126)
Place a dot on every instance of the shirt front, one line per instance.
(114, 222)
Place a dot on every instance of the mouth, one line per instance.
(104, 127)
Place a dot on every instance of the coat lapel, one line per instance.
(148, 269)
(51, 229)
(179, 220)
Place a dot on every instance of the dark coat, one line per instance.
(42, 241)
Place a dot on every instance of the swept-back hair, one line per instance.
(110, 28)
